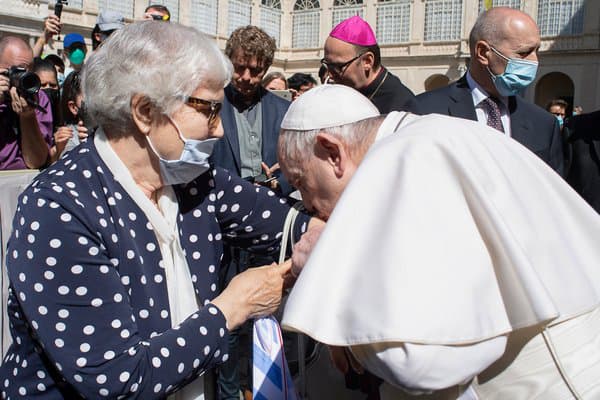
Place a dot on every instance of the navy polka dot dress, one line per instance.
(88, 302)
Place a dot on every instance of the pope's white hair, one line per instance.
(296, 147)
(164, 62)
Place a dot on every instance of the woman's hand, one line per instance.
(52, 26)
(61, 137)
(254, 293)
(82, 131)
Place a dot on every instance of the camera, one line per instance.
(26, 82)
(58, 7)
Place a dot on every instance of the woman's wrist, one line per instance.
(234, 311)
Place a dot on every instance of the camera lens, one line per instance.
(29, 83)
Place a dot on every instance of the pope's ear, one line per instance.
(332, 150)
(142, 111)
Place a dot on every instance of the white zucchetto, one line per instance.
(327, 106)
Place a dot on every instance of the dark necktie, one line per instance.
(493, 113)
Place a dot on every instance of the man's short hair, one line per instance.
(56, 61)
(40, 65)
(300, 79)
(159, 8)
(557, 102)
(486, 28)
(253, 42)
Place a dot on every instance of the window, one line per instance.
(443, 20)
(393, 21)
(75, 4)
(560, 17)
(344, 9)
(306, 20)
(270, 18)
(203, 15)
(124, 7)
(172, 5)
(239, 14)
(500, 3)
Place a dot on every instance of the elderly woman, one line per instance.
(115, 251)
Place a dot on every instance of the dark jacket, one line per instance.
(530, 125)
(226, 153)
(584, 171)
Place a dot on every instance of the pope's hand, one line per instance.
(304, 247)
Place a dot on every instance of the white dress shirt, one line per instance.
(479, 95)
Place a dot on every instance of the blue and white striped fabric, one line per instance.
(271, 377)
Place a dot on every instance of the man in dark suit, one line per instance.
(584, 171)
(503, 45)
(251, 118)
(251, 115)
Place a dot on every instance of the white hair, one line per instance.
(296, 147)
(164, 62)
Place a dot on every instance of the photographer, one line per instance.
(25, 129)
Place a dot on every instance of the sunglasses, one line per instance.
(340, 68)
(207, 107)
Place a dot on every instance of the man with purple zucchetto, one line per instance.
(352, 58)
(25, 124)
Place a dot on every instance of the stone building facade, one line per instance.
(424, 42)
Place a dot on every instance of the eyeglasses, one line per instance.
(209, 108)
(340, 68)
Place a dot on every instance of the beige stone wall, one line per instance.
(414, 62)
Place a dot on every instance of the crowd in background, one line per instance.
(43, 117)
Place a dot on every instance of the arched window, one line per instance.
(393, 21)
(560, 17)
(306, 19)
(443, 20)
(203, 15)
(343, 9)
(172, 5)
(270, 18)
(239, 14)
(501, 3)
(124, 7)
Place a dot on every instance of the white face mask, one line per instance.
(192, 162)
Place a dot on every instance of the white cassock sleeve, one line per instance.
(419, 368)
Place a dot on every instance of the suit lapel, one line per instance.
(230, 128)
(519, 124)
(461, 104)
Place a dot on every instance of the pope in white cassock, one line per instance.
(455, 264)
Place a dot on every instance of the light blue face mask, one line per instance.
(60, 77)
(517, 75)
(560, 120)
(192, 162)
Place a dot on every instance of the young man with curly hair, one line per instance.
(251, 117)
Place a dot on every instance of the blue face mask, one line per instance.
(60, 77)
(192, 162)
(560, 120)
(517, 75)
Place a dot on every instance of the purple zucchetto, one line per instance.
(354, 30)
